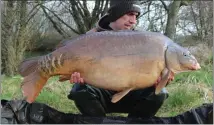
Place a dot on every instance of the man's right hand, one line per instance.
(75, 78)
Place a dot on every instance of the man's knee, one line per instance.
(158, 100)
(76, 90)
(162, 96)
(87, 102)
(149, 106)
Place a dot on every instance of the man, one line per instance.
(93, 101)
(119, 17)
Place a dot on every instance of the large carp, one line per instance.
(120, 61)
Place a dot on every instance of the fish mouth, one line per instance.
(195, 66)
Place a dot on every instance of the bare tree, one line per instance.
(196, 21)
(172, 10)
(202, 12)
(162, 16)
(15, 33)
(156, 23)
(84, 18)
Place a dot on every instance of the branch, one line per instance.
(141, 15)
(165, 6)
(75, 4)
(101, 6)
(105, 8)
(85, 8)
(78, 20)
(184, 3)
(52, 21)
(31, 11)
(86, 17)
(77, 14)
(60, 19)
(145, 1)
(32, 15)
(96, 8)
(194, 17)
(149, 9)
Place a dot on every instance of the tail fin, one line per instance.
(28, 66)
(32, 85)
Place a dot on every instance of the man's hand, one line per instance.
(75, 78)
(171, 78)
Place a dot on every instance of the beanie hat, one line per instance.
(120, 9)
(116, 11)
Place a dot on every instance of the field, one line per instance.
(187, 91)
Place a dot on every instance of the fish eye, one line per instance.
(184, 54)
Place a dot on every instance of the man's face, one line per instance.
(127, 21)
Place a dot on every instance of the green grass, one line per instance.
(187, 91)
(54, 93)
(203, 75)
(182, 97)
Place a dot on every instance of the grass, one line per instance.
(54, 93)
(187, 91)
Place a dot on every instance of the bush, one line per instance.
(201, 51)
(47, 42)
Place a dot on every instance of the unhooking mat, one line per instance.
(21, 112)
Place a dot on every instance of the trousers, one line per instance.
(92, 101)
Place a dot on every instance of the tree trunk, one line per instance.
(172, 19)
(22, 39)
(7, 38)
(15, 35)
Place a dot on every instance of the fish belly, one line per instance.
(118, 73)
(115, 62)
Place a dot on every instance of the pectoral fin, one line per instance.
(120, 95)
(163, 82)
